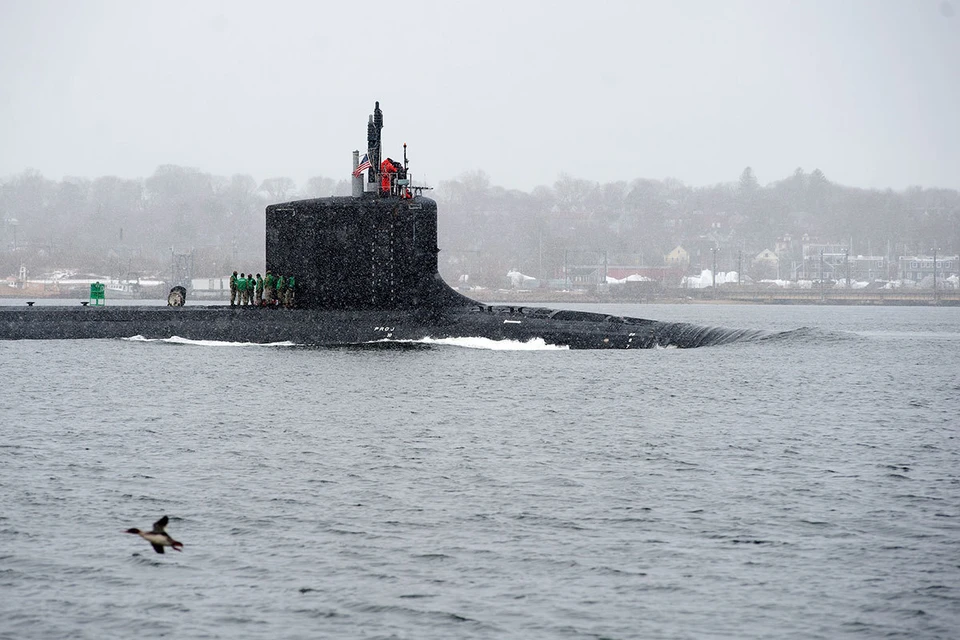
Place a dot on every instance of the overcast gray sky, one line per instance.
(866, 90)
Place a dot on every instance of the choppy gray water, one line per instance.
(802, 486)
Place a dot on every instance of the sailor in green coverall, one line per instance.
(242, 289)
(290, 285)
(269, 284)
(281, 289)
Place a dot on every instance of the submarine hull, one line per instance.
(349, 327)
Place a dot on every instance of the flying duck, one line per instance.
(158, 538)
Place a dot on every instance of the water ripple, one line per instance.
(800, 485)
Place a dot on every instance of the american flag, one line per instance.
(364, 164)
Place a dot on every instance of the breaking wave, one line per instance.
(689, 335)
(209, 343)
(534, 344)
(668, 336)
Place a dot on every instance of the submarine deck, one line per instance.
(575, 329)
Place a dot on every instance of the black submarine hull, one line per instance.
(573, 329)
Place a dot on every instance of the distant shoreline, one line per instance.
(786, 297)
(832, 297)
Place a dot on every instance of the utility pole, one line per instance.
(821, 275)
(714, 250)
(846, 265)
(934, 275)
(739, 266)
(540, 251)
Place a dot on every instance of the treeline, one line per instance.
(117, 226)
(486, 230)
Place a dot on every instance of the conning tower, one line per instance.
(373, 250)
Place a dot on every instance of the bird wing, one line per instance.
(160, 524)
(156, 547)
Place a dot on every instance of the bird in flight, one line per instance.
(158, 537)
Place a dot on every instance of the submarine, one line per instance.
(366, 272)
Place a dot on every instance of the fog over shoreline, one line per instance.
(339, 184)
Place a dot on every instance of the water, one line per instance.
(807, 485)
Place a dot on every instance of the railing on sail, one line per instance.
(400, 186)
(399, 183)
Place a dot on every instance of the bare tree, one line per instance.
(278, 189)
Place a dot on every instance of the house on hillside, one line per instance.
(822, 261)
(766, 265)
(679, 257)
(919, 268)
(866, 268)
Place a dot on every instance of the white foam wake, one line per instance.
(534, 344)
(210, 343)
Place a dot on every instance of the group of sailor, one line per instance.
(267, 291)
